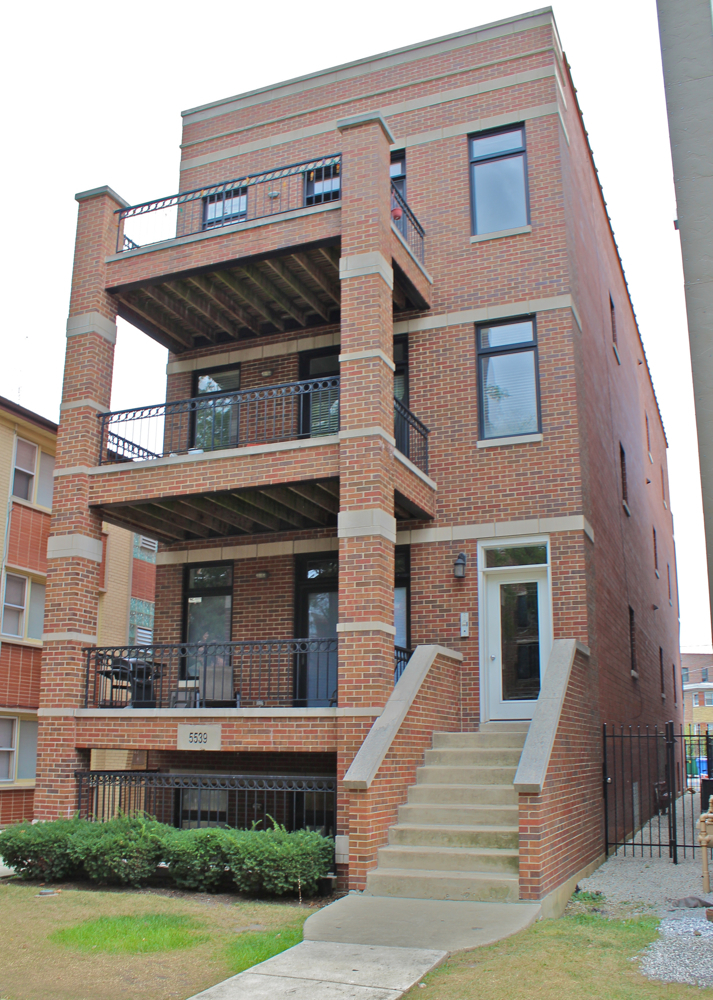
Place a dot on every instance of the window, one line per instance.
(709, 698)
(319, 414)
(402, 581)
(498, 181)
(21, 618)
(45, 480)
(216, 417)
(322, 184)
(704, 675)
(663, 488)
(397, 171)
(695, 699)
(28, 479)
(612, 316)
(668, 576)
(632, 642)
(401, 370)
(662, 674)
(684, 675)
(225, 207)
(648, 434)
(675, 686)
(656, 553)
(624, 483)
(507, 379)
(18, 749)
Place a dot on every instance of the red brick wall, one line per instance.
(20, 668)
(27, 538)
(143, 580)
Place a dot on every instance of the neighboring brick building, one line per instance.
(319, 318)
(697, 675)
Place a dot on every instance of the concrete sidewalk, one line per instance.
(374, 948)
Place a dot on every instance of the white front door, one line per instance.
(517, 641)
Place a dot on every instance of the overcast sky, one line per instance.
(96, 99)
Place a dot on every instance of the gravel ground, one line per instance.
(684, 950)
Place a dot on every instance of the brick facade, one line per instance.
(562, 487)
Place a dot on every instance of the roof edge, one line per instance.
(20, 411)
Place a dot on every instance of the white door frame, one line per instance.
(487, 697)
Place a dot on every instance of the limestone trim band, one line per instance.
(98, 191)
(500, 234)
(503, 310)
(496, 529)
(362, 432)
(516, 439)
(359, 264)
(367, 118)
(374, 626)
(211, 713)
(92, 322)
(262, 353)
(71, 470)
(381, 735)
(85, 640)
(78, 404)
(415, 469)
(366, 522)
(264, 550)
(75, 546)
(411, 254)
(364, 355)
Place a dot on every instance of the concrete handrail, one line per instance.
(535, 758)
(383, 732)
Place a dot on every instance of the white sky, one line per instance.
(96, 99)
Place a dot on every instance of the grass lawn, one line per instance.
(583, 955)
(87, 944)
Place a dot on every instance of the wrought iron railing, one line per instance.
(242, 199)
(411, 435)
(280, 673)
(224, 420)
(401, 658)
(407, 224)
(200, 800)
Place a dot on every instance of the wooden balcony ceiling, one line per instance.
(245, 299)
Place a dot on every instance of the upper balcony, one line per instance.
(248, 256)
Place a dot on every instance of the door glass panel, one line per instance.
(401, 616)
(208, 621)
(520, 641)
(322, 614)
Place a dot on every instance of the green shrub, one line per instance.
(41, 850)
(276, 862)
(196, 858)
(122, 851)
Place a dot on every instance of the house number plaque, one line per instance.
(198, 738)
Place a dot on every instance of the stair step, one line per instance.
(439, 884)
(454, 813)
(462, 859)
(453, 835)
(451, 774)
(442, 794)
(447, 741)
(505, 727)
(474, 756)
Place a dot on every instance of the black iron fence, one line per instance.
(656, 783)
(221, 420)
(401, 658)
(289, 673)
(411, 435)
(201, 800)
(242, 199)
(407, 224)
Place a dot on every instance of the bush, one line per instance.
(41, 850)
(127, 851)
(196, 858)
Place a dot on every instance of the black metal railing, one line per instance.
(407, 224)
(280, 673)
(411, 435)
(656, 783)
(242, 199)
(222, 420)
(401, 658)
(200, 800)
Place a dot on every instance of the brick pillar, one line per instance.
(74, 548)
(367, 527)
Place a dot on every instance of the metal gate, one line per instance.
(656, 784)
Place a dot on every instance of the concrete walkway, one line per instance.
(373, 948)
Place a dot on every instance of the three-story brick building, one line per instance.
(409, 432)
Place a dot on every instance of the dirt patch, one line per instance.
(34, 968)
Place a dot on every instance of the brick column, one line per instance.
(367, 527)
(74, 548)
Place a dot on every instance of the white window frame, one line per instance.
(39, 452)
(30, 581)
(12, 750)
(484, 574)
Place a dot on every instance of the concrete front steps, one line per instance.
(457, 836)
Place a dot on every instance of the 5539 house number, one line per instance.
(198, 738)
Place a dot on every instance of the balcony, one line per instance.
(265, 415)
(280, 673)
(248, 257)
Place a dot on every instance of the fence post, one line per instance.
(606, 783)
(671, 784)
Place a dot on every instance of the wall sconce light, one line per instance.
(459, 566)
(262, 574)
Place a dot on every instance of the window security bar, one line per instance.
(209, 800)
(221, 420)
(258, 196)
(280, 673)
(411, 435)
(407, 224)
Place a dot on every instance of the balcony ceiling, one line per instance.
(245, 299)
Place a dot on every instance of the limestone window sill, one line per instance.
(515, 439)
(501, 234)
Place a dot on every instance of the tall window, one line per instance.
(18, 749)
(32, 479)
(612, 316)
(508, 379)
(23, 607)
(656, 553)
(704, 675)
(624, 483)
(662, 675)
(684, 675)
(648, 433)
(217, 415)
(632, 642)
(498, 180)
(397, 171)
(668, 575)
(675, 686)
(663, 487)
